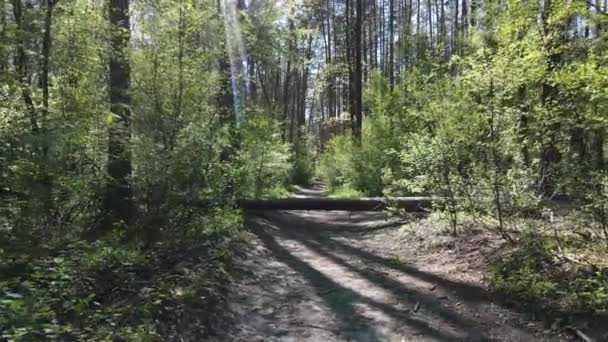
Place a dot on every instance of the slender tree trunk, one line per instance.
(264, 86)
(21, 67)
(43, 174)
(224, 100)
(376, 36)
(181, 32)
(301, 119)
(438, 24)
(276, 89)
(552, 31)
(464, 26)
(119, 201)
(443, 26)
(391, 35)
(600, 132)
(430, 18)
(418, 29)
(286, 114)
(456, 30)
(523, 130)
(331, 83)
(498, 169)
(286, 90)
(408, 33)
(598, 148)
(473, 19)
(46, 49)
(383, 52)
(365, 44)
(4, 60)
(357, 99)
(349, 55)
(252, 86)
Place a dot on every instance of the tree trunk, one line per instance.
(443, 27)
(409, 204)
(553, 31)
(430, 18)
(417, 29)
(473, 19)
(20, 64)
(464, 26)
(119, 201)
(523, 129)
(286, 88)
(302, 111)
(456, 31)
(391, 35)
(357, 100)
(4, 55)
(598, 148)
(224, 97)
(46, 48)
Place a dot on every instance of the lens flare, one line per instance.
(237, 53)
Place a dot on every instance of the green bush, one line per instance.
(533, 274)
(265, 160)
(106, 290)
(336, 163)
(360, 168)
(303, 161)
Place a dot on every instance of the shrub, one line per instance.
(264, 158)
(336, 164)
(535, 274)
(303, 161)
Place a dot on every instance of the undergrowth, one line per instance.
(560, 266)
(540, 271)
(106, 291)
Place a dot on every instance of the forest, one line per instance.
(132, 130)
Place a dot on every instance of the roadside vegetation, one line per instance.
(106, 138)
(510, 132)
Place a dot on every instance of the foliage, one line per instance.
(303, 161)
(264, 158)
(67, 274)
(102, 291)
(465, 128)
(534, 273)
(336, 163)
(360, 168)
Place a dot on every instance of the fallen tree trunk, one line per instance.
(359, 204)
(409, 204)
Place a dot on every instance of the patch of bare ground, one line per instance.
(339, 276)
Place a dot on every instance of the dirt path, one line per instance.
(337, 276)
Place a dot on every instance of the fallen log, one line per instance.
(409, 204)
(359, 204)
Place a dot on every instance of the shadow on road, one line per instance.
(342, 300)
(323, 239)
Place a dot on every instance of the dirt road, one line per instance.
(339, 276)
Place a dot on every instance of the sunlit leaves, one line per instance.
(265, 159)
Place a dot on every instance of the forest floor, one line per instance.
(340, 276)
